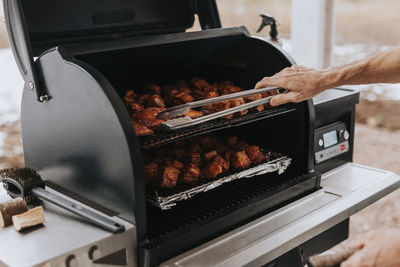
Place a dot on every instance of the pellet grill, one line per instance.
(79, 57)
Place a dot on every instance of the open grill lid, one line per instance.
(35, 26)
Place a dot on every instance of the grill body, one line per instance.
(82, 140)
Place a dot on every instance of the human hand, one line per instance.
(376, 248)
(301, 82)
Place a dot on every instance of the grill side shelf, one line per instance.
(167, 200)
(159, 138)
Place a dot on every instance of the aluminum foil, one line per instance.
(277, 165)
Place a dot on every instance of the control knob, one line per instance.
(344, 134)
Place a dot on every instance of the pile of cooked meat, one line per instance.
(144, 106)
(204, 157)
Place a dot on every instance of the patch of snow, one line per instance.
(11, 86)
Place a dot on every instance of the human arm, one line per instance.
(303, 83)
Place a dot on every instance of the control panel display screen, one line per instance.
(330, 138)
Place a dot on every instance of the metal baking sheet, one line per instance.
(279, 164)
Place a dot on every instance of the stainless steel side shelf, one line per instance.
(346, 190)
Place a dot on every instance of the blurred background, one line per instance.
(363, 27)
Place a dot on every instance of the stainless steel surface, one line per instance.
(181, 110)
(64, 237)
(346, 190)
(184, 122)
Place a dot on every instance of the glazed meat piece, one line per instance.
(230, 89)
(199, 84)
(169, 176)
(190, 173)
(151, 88)
(212, 168)
(151, 172)
(238, 102)
(211, 94)
(141, 130)
(209, 155)
(239, 159)
(177, 164)
(154, 101)
(136, 107)
(186, 98)
(173, 162)
(194, 114)
(212, 108)
(224, 163)
(193, 157)
(253, 98)
(222, 85)
(147, 117)
(129, 97)
(254, 154)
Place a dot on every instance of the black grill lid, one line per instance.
(34, 26)
(55, 22)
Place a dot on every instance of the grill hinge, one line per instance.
(21, 46)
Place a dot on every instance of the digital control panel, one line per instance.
(331, 141)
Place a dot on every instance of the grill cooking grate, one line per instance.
(223, 200)
(166, 198)
(162, 138)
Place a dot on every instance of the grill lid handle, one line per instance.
(21, 46)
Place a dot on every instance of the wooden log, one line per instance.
(28, 219)
(11, 208)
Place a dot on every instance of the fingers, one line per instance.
(355, 260)
(283, 99)
(264, 82)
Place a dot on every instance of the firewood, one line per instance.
(28, 219)
(11, 208)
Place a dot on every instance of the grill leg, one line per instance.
(291, 258)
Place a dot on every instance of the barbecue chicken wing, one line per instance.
(190, 173)
(170, 176)
(213, 168)
(147, 117)
(154, 101)
(239, 159)
(141, 130)
(194, 114)
(254, 154)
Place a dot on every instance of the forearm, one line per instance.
(380, 68)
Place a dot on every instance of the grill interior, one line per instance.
(160, 138)
(213, 203)
(286, 130)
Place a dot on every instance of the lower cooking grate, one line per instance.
(166, 198)
(162, 138)
(221, 201)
